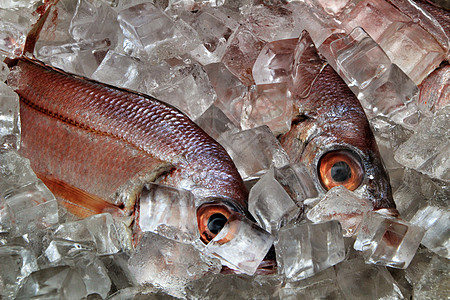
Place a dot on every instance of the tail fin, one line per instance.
(33, 35)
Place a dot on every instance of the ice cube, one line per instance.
(428, 274)
(145, 24)
(34, 207)
(359, 58)
(225, 286)
(407, 44)
(435, 221)
(15, 171)
(268, 104)
(119, 70)
(389, 136)
(296, 181)
(168, 264)
(306, 249)
(241, 54)
(215, 29)
(435, 91)
(82, 58)
(118, 271)
(323, 285)
(4, 70)
(14, 27)
(270, 204)
(388, 241)
(413, 49)
(188, 88)
(230, 91)
(240, 245)
(97, 230)
(6, 216)
(428, 150)
(62, 281)
(16, 263)
(358, 280)
(272, 22)
(214, 122)
(274, 62)
(9, 118)
(342, 205)
(93, 21)
(254, 151)
(316, 21)
(168, 211)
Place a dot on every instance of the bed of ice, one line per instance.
(228, 65)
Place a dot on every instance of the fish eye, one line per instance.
(211, 218)
(340, 167)
(216, 223)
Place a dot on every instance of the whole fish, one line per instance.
(96, 145)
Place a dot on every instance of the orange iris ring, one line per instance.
(329, 159)
(204, 212)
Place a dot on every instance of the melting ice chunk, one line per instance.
(358, 280)
(97, 230)
(16, 263)
(214, 122)
(63, 281)
(254, 150)
(118, 70)
(428, 150)
(15, 26)
(342, 205)
(240, 245)
(380, 86)
(274, 62)
(6, 217)
(168, 211)
(268, 104)
(406, 43)
(296, 181)
(241, 54)
(270, 204)
(388, 241)
(169, 264)
(31, 202)
(9, 118)
(305, 249)
(323, 285)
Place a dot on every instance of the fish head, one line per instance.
(332, 137)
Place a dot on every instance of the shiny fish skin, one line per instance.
(151, 127)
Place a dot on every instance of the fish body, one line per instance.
(82, 135)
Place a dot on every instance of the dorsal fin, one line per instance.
(33, 35)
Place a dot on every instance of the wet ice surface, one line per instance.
(232, 66)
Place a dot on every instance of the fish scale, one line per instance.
(156, 129)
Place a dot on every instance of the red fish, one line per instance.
(331, 134)
(96, 145)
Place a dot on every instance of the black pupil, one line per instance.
(216, 223)
(341, 172)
